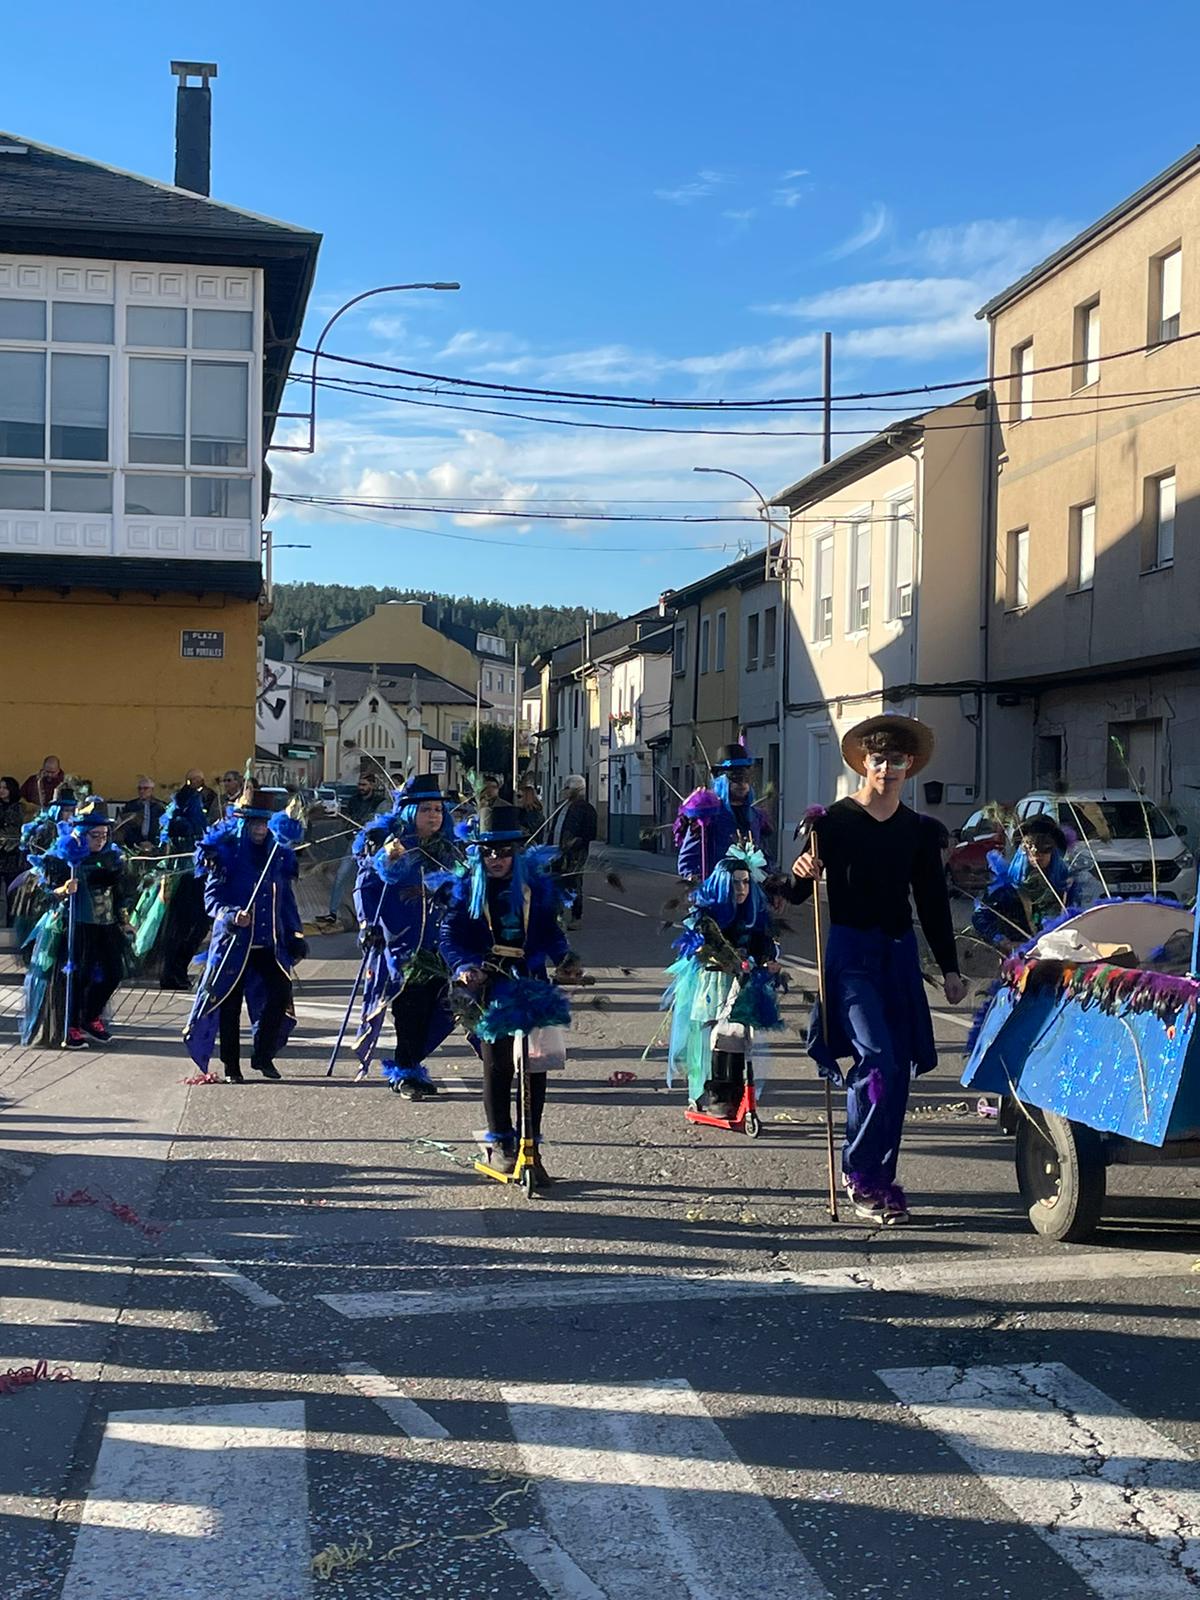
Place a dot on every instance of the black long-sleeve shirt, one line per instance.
(872, 866)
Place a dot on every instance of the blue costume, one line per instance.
(170, 907)
(721, 975)
(1022, 895)
(398, 899)
(509, 930)
(709, 822)
(253, 962)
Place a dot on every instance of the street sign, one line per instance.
(202, 644)
(437, 762)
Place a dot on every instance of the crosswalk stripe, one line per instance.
(914, 1277)
(1116, 1500)
(254, 1292)
(392, 1401)
(643, 1493)
(551, 1565)
(207, 1500)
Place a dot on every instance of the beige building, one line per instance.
(705, 676)
(1092, 629)
(883, 606)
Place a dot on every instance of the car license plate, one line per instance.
(1137, 888)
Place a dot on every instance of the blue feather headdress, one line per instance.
(184, 814)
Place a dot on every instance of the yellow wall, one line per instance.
(100, 683)
(398, 633)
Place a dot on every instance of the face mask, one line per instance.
(890, 761)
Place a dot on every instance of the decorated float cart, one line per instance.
(1091, 1040)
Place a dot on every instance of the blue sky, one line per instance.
(668, 199)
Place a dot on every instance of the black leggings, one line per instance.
(499, 1072)
(184, 930)
(412, 1012)
(99, 968)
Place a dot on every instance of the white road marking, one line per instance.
(914, 1277)
(641, 1489)
(253, 1292)
(1116, 1500)
(551, 1565)
(617, 906)
(208, 1500)
(392, 1401)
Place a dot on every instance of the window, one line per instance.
(1083, 545)
(900, 562)
(1017, 578)
(752, 624)
(156, 327)
(22, 404)
(80, 491)
(681, 645)
(82, 324)
(575, 708)
(22, 319)
(719, 652)
(705, 632)
(1022, 381)
(823, 591)
(487, 678)
(157, 409)
(221, 497)
(770, 628)
(860, 577)
(219, 420)
(1087, 345)
(22, 491)
(1158, 543)
(222, 330)
(78, 407)
(1166, 296)
(153, 495)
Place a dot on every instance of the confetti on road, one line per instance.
(21, 1377)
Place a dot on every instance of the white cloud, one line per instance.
(882, 297)
(997, 250)
(697, 188)
(796, 172)
(788, 198)
(874, 224)
(470, 344)
(742, 218)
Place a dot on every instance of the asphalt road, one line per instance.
(350, 1365)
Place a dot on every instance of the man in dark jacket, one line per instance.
(573, 830)
(138, 819)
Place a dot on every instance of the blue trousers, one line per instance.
(879, 1018)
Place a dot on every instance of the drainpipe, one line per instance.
(987, 561)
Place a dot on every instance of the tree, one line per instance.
(497, 750)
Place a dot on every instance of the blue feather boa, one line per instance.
(757, 1005)
(518, 1005)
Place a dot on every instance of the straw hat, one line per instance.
(910, 733)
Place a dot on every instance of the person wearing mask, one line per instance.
(572, 832)
(502, 930)
(710, 820)
(137, 824)
(249, 867)
(86, 867)
(360, 809)
(877, 858)
(38, 789)
(1033, 887)
(184, 920)
(398, 899)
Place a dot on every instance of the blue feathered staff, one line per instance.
(72, 847)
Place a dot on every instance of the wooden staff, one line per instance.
(831, 1159)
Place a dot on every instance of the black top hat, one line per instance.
(730, 756)
(64, 795)
(260, 803)
(422, 786)
(93, 813)
(499, 824)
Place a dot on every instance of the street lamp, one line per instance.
(764, 510)
(385, 288)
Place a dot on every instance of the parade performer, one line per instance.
(873, 851)
(27, 891)
(248, 863)
(1035, 886)
(710, 820)
(172, 901)
(501, 935)
(80, 943)
(728, 962)
(398, 900)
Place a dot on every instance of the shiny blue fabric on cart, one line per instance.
(1118, 1073)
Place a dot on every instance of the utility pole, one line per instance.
(478, 702)
(516, 714)
(827, 389)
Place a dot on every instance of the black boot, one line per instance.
(232, 1074)
(267, 1068)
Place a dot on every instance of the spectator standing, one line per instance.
(12, 820)
(533, 816)
(231, 788)
(359, 809)
(139, 818)
(573, 830)
(208, 796)
(39, 787)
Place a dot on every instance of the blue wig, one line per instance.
(1020, 872)
(714, 897)
(721, 788)
(530, 869)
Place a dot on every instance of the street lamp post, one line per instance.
(764, 511)
(385, 288)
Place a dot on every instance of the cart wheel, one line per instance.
(1061, 1174)
(751, 1126)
